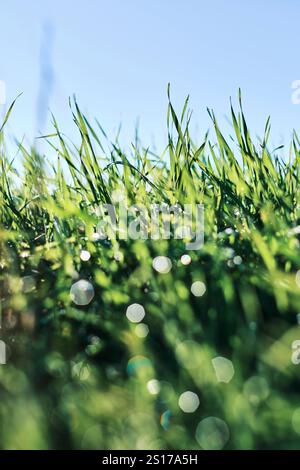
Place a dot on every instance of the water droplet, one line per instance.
(198, 288)
(224, 369)
(256, 389)
(188, 402)
(85, 255)
(82, 292)
(135, 313)
(237, 260)
(162, 264)
(212, 433)
(136, 363)
(142, 330)
(153, 387)
(185, 259)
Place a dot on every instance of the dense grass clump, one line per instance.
(85, 376)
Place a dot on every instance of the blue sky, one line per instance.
(119, 55)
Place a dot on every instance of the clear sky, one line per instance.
(117, 56)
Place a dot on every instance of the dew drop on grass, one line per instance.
(136, 363)
(185, 259)
(212, 433)
(141, 330)
(135, 313)
(256, 389)
(223, 368)
(237, 260)
(162, 264)
(153, 387)
(198, 288)
(82, 292)
(188, 402)
(85, 255)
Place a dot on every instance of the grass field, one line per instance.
(87, 376)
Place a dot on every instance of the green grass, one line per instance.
(76, 377)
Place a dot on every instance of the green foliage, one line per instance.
(76, 377)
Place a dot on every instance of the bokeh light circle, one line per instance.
(82, 292)
(212, 433)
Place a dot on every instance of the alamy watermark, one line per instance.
(155, 222)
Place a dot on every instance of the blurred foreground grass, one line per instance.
(88, 377)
